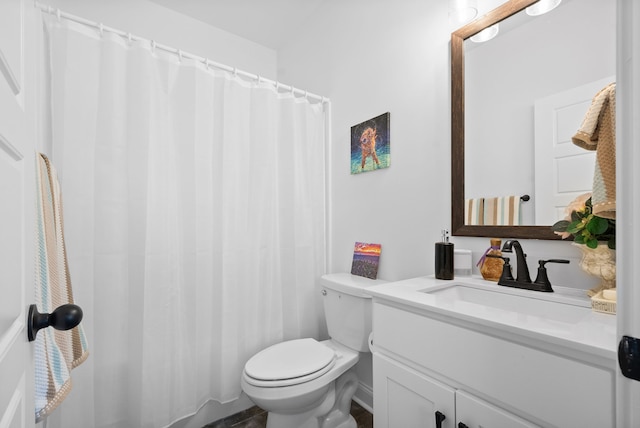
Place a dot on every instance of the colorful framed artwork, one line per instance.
(366, 258)
(370, 142)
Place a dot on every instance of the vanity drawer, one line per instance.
(541, 385)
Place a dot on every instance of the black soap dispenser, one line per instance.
(444, 257)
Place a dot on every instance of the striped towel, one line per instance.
(502, 211)
(474, 212)
(56, 352)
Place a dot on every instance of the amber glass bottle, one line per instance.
(491, 267)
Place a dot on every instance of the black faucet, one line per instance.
(521, 258)
(523, 279)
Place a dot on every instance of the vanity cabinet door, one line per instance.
(473, 412)
(405, 398)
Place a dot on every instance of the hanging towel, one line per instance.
(474, 212)
(598, 132)
(56, 352)
(502, 211)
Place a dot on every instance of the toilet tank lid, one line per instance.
(349, 284)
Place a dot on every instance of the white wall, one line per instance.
(373, 57)
(152, 21)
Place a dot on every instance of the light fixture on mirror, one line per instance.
(542, 7)
(486, 34)
(462, 11)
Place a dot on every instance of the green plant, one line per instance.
(586, 227)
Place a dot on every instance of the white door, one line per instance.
(405, 398)
(562, 170)
(628, 211)
(17, 135)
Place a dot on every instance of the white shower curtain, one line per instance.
(194, 218)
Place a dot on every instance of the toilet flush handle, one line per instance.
(324, 292)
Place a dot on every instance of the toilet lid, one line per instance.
(298, 361)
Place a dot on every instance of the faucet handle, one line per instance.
(542, 278)
(563, 261)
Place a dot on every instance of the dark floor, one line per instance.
(255, 417)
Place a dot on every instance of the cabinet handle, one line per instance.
(462, 425)
(439, 418)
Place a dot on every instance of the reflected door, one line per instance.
(562, 170)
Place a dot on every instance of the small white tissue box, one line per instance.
(462, 265)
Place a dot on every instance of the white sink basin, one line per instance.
(511, 302)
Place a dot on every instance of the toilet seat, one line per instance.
(289, 363)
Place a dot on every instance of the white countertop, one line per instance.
(563, 318)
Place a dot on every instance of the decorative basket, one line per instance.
(599, 304)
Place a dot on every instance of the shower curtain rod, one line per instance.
(181, 54)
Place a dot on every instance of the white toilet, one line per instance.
(304, 383)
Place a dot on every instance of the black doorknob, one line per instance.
(64, 317)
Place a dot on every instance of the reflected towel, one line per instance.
(474, 212)
(55, 352)
(598, 132)
(502, 211)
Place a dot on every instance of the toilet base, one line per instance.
(333, 412)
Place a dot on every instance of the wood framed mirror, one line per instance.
(531, 230)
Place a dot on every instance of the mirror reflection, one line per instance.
(526, 92)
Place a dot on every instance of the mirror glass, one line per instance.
(524, 94)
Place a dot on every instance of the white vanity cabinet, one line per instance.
(479, 373)
(406, 398)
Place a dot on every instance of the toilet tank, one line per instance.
(347, 308)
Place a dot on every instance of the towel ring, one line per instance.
(64, 317)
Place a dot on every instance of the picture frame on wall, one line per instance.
(370, 144)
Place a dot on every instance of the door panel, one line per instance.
(628, 209)
(562, 170)
(405, 398)
(17, 136)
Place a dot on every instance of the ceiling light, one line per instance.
(543, 6)
(462, 11)
(486, 34)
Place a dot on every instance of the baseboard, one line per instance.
(364, 397)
